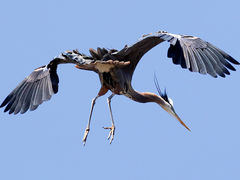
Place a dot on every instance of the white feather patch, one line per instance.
(170, 101)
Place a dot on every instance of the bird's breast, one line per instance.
(111, 82)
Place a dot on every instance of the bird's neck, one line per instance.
(144, 97)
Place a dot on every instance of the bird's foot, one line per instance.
(111, 133)
(85, 136)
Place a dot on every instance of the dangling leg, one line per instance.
(89, 121)
(102, 91)
(112, 129)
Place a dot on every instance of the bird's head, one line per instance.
(167, 103)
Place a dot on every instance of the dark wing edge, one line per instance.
(200, 56)
(42, 83)
(190, 52)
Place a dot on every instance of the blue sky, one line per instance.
(149, 143)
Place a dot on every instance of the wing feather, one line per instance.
(27, 98)
(211, 56)
(208, 65)
(214, 64)
(198, 60)
(193, 64)
(16, 99)
(33, 90)
(19, 96)
(12, 94)
(190, 52)
(37, 99)
(42, 83)
(187, 58)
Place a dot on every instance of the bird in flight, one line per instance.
(115, 70)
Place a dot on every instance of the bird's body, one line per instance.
(115, 70)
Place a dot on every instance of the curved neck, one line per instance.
(144, 97)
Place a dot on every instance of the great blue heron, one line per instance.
(115, 70)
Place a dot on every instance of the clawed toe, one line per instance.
(111, 133)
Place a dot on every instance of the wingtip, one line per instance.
(5, 102)
(6, 110)
(237, 63)
(232, 60)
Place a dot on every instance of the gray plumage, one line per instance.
(115, 70)
(190, 52)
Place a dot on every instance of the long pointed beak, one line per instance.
(172, 112)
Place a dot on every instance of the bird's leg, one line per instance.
(89, 121)
(102, 91)
(112, 129)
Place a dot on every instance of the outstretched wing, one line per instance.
(190, 52)
(41, 84)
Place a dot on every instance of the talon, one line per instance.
(111, 133)
(85, 136)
